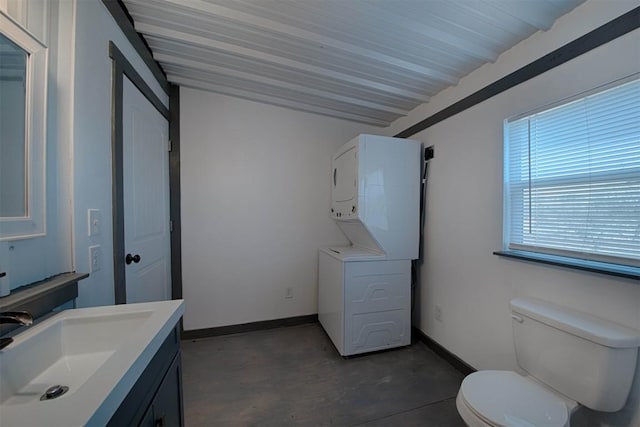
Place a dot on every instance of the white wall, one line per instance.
(464, 205)
(255, 200)
(92, 140)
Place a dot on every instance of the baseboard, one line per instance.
(451, 358)
(248, 327)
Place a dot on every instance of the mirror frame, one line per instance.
(33, 224)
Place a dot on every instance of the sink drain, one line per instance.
(54, 392)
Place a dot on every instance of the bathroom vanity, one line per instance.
(120, 365)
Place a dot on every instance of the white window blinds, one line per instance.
(572, 178)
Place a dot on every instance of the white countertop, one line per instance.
(123, 352)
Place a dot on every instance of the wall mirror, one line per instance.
(23, 89)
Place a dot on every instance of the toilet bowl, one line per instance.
(572, 359)
(505, 398)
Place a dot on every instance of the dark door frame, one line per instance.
(121, 67)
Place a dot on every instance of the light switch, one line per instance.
(95, 258)
(95, 222)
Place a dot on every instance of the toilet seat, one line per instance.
(506, 399)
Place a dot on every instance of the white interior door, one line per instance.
(146, 198)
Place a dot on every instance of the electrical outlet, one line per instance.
(438, 312)
(288, 293)
(95, 258)
(428, 153)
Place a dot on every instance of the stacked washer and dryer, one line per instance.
(364, 290)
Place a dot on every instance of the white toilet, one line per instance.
(571, 359)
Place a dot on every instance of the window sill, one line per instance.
(618, 270)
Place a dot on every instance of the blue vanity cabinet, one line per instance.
(155, 400)
(166, 408)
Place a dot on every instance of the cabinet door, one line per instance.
(167, 405)
(147, 419)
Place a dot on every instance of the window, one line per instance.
(23, 91)
(572, 177)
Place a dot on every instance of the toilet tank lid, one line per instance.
(587, 326)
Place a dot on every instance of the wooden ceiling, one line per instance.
(368, 61)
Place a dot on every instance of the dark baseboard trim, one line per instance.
(195, 334)
(604, 34)
(449, 357)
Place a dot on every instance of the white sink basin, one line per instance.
(98, 353)
(67, 352)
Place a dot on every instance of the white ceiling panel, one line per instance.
(369, 61)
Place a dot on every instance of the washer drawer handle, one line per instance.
(517, 318)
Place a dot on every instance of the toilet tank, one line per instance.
(586, 358)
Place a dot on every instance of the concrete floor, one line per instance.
(294, 376)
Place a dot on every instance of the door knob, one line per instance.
(132, 258)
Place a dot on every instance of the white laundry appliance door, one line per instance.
(377, 305)
(364, 303)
